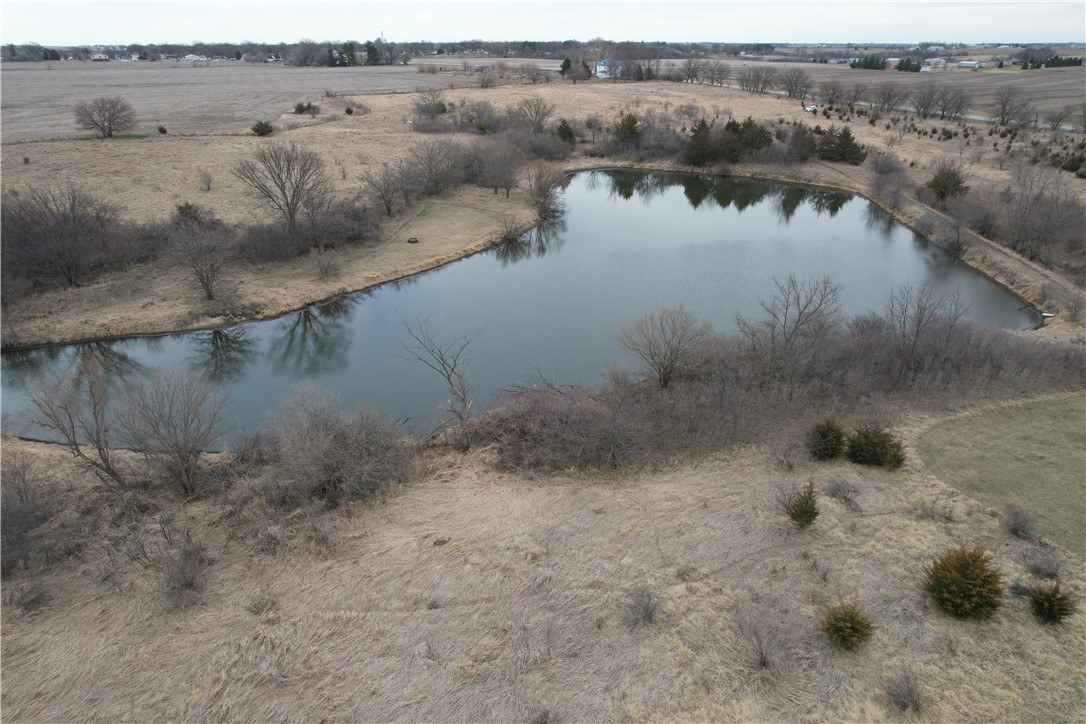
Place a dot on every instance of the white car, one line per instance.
(811, 109)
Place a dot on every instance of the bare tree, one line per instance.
(429, 104)
(693, 70)
(717, 72)
(543, 181)
(501, 166)
(953, 101)
(756, 79)
(856, 94)
(435, 165)
(386, 186)
(287, 177)
(105, 115)
(1040, 213)
(1010, 105)
(1056, 117)
(832, 92)
(172, 418)
(80, 411)
(535, 112)
(796, 320)
(917, 316)
(664, 339)
(924, 97)
(446, 357)
(205, 251)
(51, 234)
(533, 72)
(796, 82)
(306, 53)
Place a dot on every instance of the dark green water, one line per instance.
(628, 243)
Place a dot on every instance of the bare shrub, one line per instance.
(556, 428)
(447, 358)
(205, 179)
(429, 104)
(81, 412)
(324, 453)
(904, 691)
(182, 573)
(386, 186)
(54, 235)
(841, 489)
(642, 607)
(105, 115)
(436, 165)
(262, 604)
(172, 418)
(1044, 562)
(544, 181)
(770, 646)
(534, 112)
(664, 340)
(31, 597)
(205, 252)
(23, 508)
(1018, 521)
(286, 177)
(327, 263)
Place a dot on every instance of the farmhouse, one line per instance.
(608, 68)
(971, 64)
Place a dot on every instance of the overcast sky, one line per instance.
(87, 23)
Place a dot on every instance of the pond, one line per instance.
(551, 303)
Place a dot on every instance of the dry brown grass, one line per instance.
(150, 176)
(476, 595)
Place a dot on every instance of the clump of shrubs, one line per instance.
(1043, 562)
(874, 445)
(800, 505)
(903, 691)
(1018, 521)
(964, 583)
(263, 128)
(847, 625)
(162, 130)
(554, 428)
(1050, 603)
(349, 111)
(825, 439)
(328, 455)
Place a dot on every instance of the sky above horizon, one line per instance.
(784, 21)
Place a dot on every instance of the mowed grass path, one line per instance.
(1033, 455)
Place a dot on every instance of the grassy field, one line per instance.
(231, 96)
(221, 97)
(1033, 455)
(477, 595)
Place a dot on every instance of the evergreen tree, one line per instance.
(346, 54)
(372, 56)
(628, 133)
(566, 65)
(700, 149)
(565, 132)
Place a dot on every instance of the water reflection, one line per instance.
(223, 355)
(548, 236)
(314, 341)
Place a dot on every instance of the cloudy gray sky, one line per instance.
(84, 23)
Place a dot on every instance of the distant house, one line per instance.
(935, 61)
(608, 68)
(99, 58)
(971, 64)
(190, 58)
(893, 61)
(925, 69)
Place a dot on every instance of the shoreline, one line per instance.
(1006, 278)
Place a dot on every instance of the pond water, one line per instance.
(551, 303)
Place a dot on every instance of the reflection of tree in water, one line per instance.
(549, 235)
(222, 354)
(823, 200)
(876, 219)
(78, 362)
(696, 189)
(627, 184)
(314, 341)
(789, 199)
